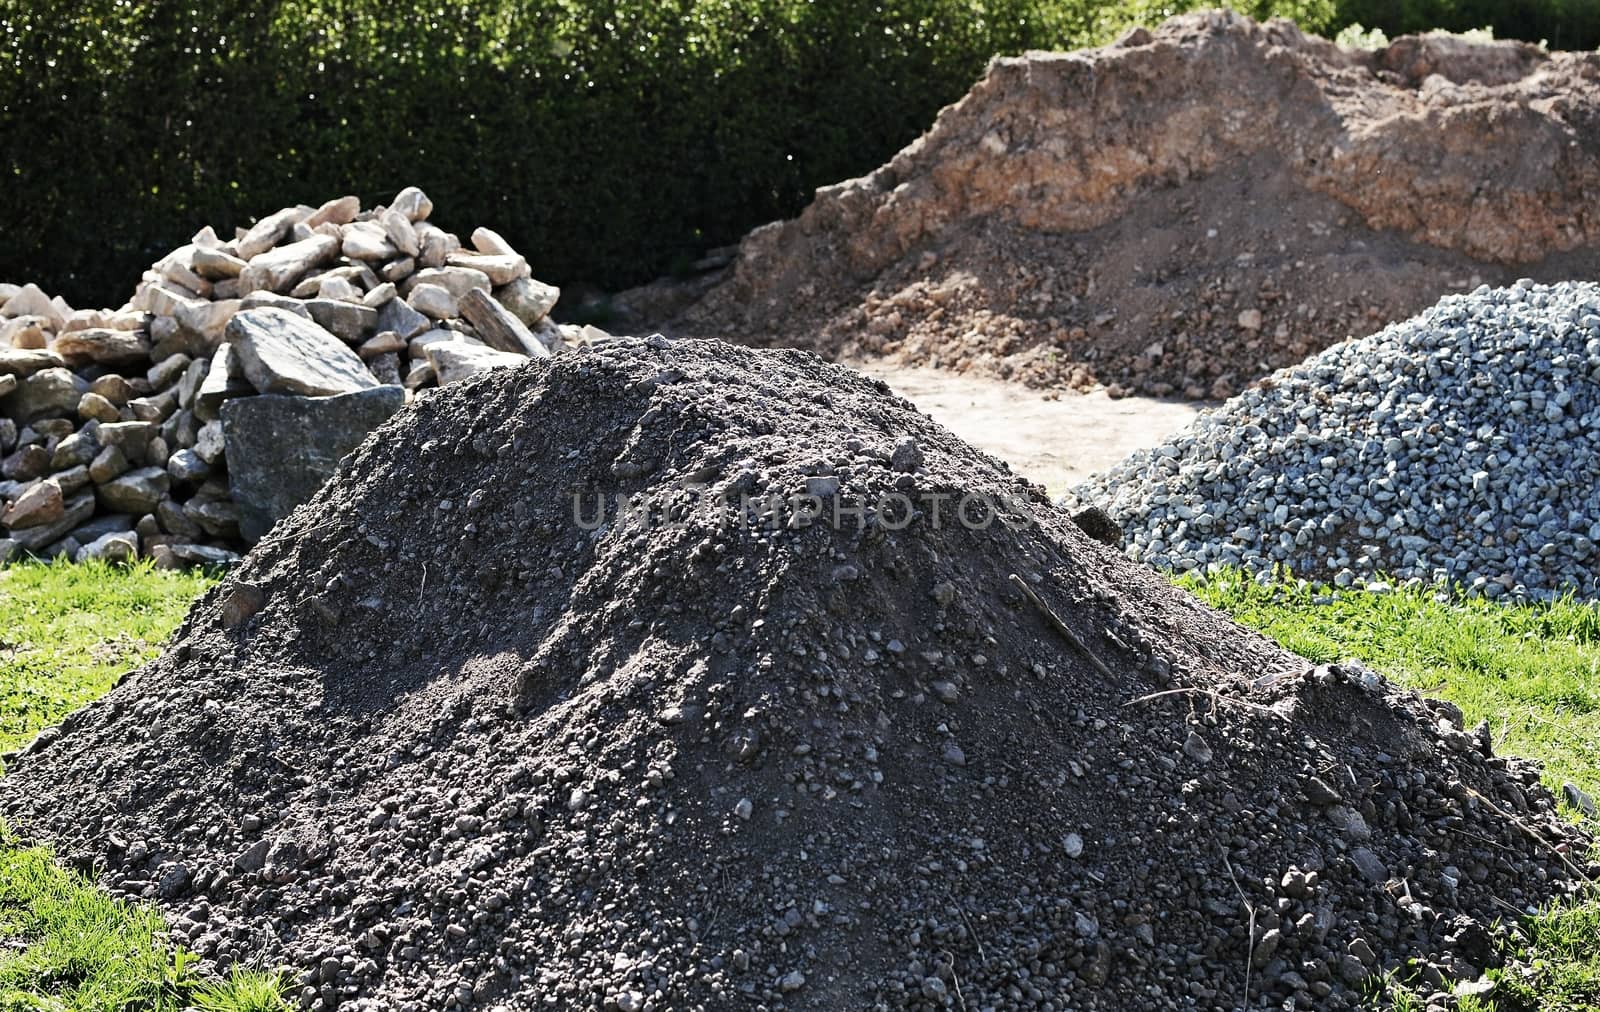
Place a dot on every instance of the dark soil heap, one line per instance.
(435, 745)
(1182, 212)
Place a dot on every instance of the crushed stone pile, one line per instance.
(1081, 218)
(1460, 446)
(139, 432)
(448, 741)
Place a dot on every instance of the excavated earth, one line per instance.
(1179, 213)
(443, 742)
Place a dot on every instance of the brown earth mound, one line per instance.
(1181, 212)
(435, 744)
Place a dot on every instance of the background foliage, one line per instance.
(609, 140)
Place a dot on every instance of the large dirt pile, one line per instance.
(1181, 212)
(1461, 446)
(437, 745)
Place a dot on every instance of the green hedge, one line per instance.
(608, 140)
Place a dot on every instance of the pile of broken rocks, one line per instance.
(223, 393)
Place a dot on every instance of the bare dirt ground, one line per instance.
(1057, 441)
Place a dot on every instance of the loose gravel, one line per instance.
(439, 743)
(1460, 446)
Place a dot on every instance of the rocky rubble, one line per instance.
(1081, 219)
(123, 432)
(1461, 446)
(459, 739)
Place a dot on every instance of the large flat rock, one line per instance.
(281, 449)
(48, 393)
(457, 360)
(24, 362)
(283, 353)
(277, 269)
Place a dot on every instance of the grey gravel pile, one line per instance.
(1462, 445)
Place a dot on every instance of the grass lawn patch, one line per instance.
(1564, 969)
(69, 946)
(66, 633)
(1532, 671)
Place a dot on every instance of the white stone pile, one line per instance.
(113, 441)
(1461, 446)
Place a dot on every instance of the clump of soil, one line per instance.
(1182, 212)
(440, 742)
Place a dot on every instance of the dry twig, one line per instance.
(1213, 695)
(1060, 626)
(1250, 954)
(1532, 833)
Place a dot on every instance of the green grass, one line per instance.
(82, 950)
(1564, 966)
(1532, 671)
(66, 633)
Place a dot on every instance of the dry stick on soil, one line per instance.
(1250, 953)
(1061, 627)
(1533, 834)
(1508, 908)
(1496, 844)
(976, 941)
(1216, 696)
(297, 535)
(955, 978)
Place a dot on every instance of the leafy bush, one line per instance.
(1358, 36)
(1562, 24)
(606, 139)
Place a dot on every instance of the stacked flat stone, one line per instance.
(122, 431)
(1461, 446)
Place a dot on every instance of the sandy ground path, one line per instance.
(1056, 443)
